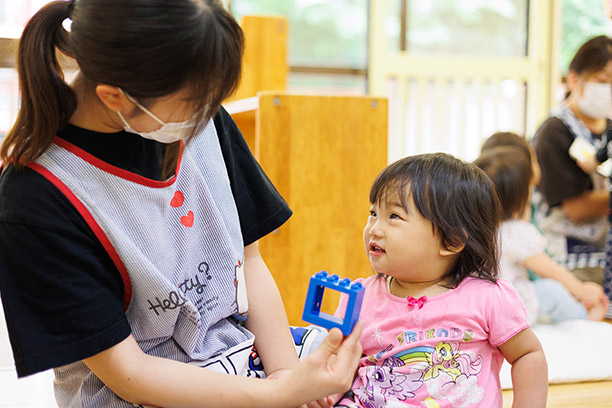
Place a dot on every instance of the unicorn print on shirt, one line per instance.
(446, 372)
(384, 385)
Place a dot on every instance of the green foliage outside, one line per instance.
(581, 20)
(333, 33)
(321, 32)
(467, 27)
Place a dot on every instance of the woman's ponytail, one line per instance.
(47, 102)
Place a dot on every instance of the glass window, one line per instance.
(581, 20)
(322, 34)
(13, 17)
(15, 14)
(465, 27)
(338, 84)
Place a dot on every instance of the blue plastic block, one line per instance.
(314, 297)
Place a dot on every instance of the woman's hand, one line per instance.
(329, 369)
(589, 164)
(325, 402)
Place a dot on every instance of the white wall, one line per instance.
(35, 391)
(6, 355)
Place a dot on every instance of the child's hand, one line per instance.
(588, 165)
(328, 370)
(590, 294)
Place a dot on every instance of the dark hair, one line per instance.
(460, 202)
(592, 56)
(507, 139)
(510, 171)
(147, 48)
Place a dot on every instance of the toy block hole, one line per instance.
(326, 300)
(330, 301)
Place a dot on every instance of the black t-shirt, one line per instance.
(61, 292)
(562, 178)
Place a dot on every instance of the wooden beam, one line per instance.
(8, 55)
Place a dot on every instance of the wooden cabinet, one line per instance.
(322, 153)
(264, 62)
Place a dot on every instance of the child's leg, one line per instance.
(307, 339)
(556, 302)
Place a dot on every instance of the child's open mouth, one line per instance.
(376, 249)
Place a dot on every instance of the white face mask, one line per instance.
(167, 133)
(596, 100)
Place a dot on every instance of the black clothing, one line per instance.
(562, 178)
(62, 294)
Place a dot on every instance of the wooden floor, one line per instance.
(577, 395)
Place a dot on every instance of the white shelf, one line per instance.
(242, 105)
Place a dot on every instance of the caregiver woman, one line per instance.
(575, 223)
(130, 209)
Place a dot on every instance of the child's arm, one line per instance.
(529, 369)
(588, 293)
(587, 205)
(147, 380)
(267, 318)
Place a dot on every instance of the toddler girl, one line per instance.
(437, 321)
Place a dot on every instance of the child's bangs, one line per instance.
(386, 192)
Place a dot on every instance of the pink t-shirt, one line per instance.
(441, 352)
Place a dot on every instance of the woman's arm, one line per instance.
(267, 318)
(268, 321)
(147, 380)
(587, 293)
(529, 369)
(588, 205)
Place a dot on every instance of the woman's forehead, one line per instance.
(605, 73)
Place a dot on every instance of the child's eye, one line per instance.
(395, 216)
(372, 213)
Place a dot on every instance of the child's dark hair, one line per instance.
(507, 139)
(460, 202)
(511, 174)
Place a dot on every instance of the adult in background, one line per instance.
(574, 204)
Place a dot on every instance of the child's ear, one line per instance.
(451, 250)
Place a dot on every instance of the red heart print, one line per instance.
(187, 220)
(177, 200)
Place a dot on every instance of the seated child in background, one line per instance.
(562, 296)
(512, 139)
(437, 321)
